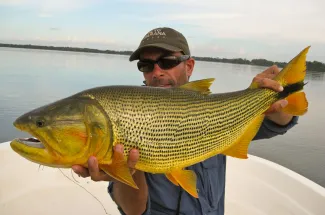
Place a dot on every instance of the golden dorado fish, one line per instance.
(172, 128)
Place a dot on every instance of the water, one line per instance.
(31, 78)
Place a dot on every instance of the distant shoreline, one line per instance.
(311, 66)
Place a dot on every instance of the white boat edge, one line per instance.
(253, 186)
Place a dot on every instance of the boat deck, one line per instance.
(254, 186)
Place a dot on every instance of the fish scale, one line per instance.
(173, 128)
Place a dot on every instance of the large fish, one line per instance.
(172, 128)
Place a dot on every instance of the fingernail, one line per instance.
(92, 160)
(118, 148)
(280, 88)
(75, 169)
(284, 103)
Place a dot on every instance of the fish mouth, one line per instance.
(31, 142)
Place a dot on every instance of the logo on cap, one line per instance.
(155, 32)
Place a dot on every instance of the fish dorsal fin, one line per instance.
(202, 86)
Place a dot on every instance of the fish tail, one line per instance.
(292, 78)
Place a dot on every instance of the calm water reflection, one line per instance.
(31, 78)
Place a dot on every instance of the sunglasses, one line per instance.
(165, 63)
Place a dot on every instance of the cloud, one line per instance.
(44, 15)
(295, 20)
(47, 8)
(196, 17)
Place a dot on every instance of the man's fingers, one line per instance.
(133, 158)
(81, 171)
(98, 175)
(268, 83)
(270, 72)
(94, 169)
(277, 106)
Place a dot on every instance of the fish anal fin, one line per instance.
(172, 179)
(186, 179)
(119, 170)
(202, 86)
(297, 104)
(240, 147)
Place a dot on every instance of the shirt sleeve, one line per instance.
(270, 129)
(110, 191)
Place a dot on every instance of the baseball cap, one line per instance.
(165, 38)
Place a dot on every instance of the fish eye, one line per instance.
(40, 123)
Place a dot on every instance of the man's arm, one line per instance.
(130, 200)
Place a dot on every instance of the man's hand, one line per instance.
(132, 201)
(274, 113)
(98, 175)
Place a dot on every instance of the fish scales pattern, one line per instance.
(175, 128)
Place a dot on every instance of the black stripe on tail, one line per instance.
(290, 89)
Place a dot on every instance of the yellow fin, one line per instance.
(240, 148)
(295, 70)
(172, 179)
(202, 86)
(119, 170)
(297, 104)
(186, 179)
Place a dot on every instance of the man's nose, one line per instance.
(157, 71)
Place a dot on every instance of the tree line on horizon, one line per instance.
(311, 66)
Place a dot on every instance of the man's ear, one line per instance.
(189, 66)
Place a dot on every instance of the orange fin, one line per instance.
(119, 170)
(186, 179)
(240, 148)
(202, 86)
(172, 179)
(297, 104)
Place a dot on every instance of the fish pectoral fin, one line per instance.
(297, 104)
(202, 86)
(240, 147)
(186, 179)
(119, 170)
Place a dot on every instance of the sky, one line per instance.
(276, 30)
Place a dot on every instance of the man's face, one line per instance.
(173, 77)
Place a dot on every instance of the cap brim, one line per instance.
(136, 54)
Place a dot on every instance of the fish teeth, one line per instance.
(32, 142)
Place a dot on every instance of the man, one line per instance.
(165, 61)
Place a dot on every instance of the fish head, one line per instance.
(64, 133)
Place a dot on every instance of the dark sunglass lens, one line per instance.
(145, 66)
(168, 63)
